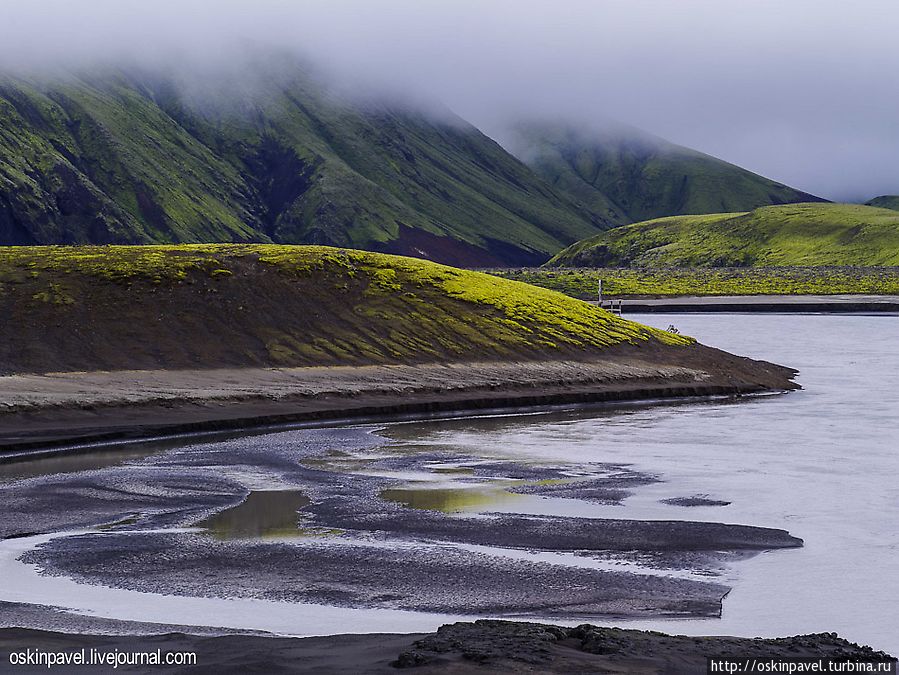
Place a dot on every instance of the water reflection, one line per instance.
(820, 463)
(458, 470)
(449, 500)
(416, 435)
(80, 461)
(262, 515)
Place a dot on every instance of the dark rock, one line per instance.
(695, 500)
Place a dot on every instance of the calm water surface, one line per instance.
(821, 463)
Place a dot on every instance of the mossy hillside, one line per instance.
(885, 202)
(132, 157)
(216, 305)
(667, 282)
(773, 236)
(105, 164)
(629, 176)
(441, 176)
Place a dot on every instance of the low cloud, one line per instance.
(804, 92)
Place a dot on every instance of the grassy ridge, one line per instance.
(885, 202)
(628, 175)
(773, 236)
(114, 307)
(582, 282)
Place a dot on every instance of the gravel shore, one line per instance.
(41, 410)
(482, 646)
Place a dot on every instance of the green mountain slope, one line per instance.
(139, 158)
(885, 202)
(772, 236)
(628, 175)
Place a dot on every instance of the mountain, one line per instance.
(627, 175)
(129, 156)
(885, 202)
(773, 236)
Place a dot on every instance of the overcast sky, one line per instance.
(805, 92)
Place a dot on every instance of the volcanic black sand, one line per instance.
(813, 304)
(482, 646)
(424, 562)
(39, 411)
(338, 531)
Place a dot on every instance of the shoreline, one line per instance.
(55, 413)
(484, 645)
(785, 304)
(64, 445)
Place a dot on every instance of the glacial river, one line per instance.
(821, 463)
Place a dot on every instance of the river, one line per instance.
(822, 463)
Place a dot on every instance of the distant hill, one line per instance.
(132, 157)
(772, 236)
(885, 202)
(627, 175)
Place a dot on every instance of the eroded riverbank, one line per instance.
(59, 409)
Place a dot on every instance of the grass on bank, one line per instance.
(668, 282)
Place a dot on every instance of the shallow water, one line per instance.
(262, 515)
(76, 462)
(821, 463)
(452, 500)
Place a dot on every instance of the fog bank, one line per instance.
(803, 92)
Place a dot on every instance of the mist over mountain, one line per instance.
(274, 148)
(628, 175)
(801, 92)
(375, 125)
(119, 156)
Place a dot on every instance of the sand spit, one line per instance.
(49, 409)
